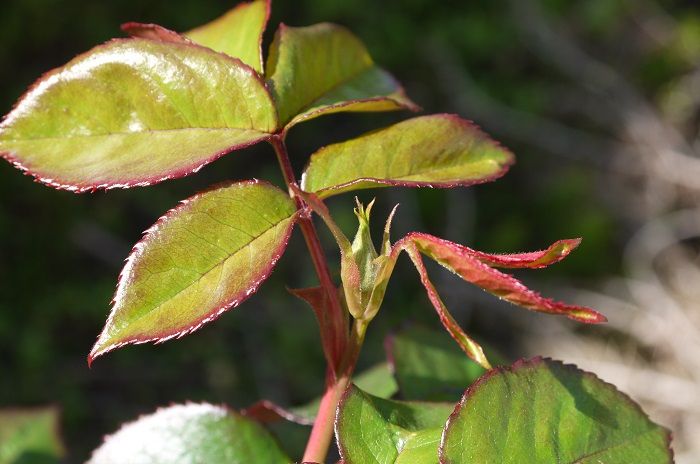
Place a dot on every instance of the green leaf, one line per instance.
(439, 150)
(205, 256)
(238, 33)
(429, 366)
(325, 69)
(545, 411)
(135, 112)
(30, 436)
(190, 434)
(372, 429)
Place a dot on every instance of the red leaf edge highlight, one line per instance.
(527, 364)
(328, 191)
(466, 343)
(212, 315)
(124, 184)
(152, 31)
(502, 285)
(268, 412)
(529, 260)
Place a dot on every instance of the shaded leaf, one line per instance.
(190, 434)
(439, 150)
(325, 69)
(30, 436)
(428, 365)
(237, 33)
(135, 112)
(205, 256)
(545, 411)
(372, 429)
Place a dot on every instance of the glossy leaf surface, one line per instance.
(238, 33)
(371, 429)
(439, 150)
(29, 435)
(202, 258)
(429, 366)
(190, 434)
(545, 411)
(325, 69)
(135, 112)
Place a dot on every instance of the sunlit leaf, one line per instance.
(372, 429)
(440, 150)
(205, 256)
(30, 436)
(135, 112)
(475, 267)
(325, 69)
(429, 366)
(238, 33)
(190, 434)
(545, 411)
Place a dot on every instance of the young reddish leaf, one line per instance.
(317, 298)
(265, 412)
(545, 411)
(375, 430)
(205, 256)
(475, 267)
(325, 69)
(439, 150)
(153, 32)
(30, 435)
(468, 345)
(238, 33)
(135, 112)
(190, 433)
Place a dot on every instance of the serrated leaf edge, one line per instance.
(211, 316)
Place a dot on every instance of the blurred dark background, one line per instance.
(597, 98)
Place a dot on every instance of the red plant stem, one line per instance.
(336, 321)
(341, 360)
(342, 356)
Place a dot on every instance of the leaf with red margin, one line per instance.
(153, 32)
(238, 33)
(541, 410)
(136, 112)
(475, 267)
(440, 150)
(30, 435)
(190, 433)
(203, 257)
(324, 69)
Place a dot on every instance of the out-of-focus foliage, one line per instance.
(60, 253)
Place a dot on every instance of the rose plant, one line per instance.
(160, 105)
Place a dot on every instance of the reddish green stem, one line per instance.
(342, 355)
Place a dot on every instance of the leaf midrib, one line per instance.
(203, 274)
(149, 131)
